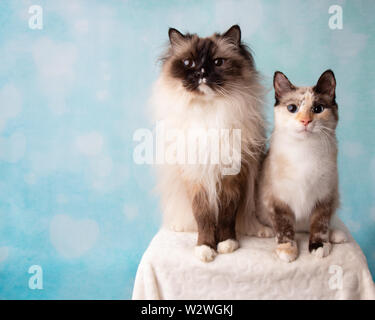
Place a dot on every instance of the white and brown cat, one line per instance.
(298, 188)
(211, 83)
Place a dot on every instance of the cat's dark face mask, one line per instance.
(216, 62)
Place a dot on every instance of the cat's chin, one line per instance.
(303, 134)
(206, 91)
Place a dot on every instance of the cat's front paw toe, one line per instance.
(287, 251)
(205, 253)
(320, 249)
(338, 236)
(228, 246)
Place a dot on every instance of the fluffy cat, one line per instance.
(211, 83)
(298, 188)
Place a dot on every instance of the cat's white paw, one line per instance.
(228, 246)
(338, 236)
(265, 232)
(287, 251)
(323, 251)
(205, 253)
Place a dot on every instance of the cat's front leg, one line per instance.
(284, 225)
(319, 244)
(205, 249)
(226, 233)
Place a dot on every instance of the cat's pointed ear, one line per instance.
(281, 84)
(175, 36)
(233, 34)
(326, 84)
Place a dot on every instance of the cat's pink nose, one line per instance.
(305, 122)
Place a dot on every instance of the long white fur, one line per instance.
(312, 177)
(179, 109)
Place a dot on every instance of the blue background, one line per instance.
(72, 94)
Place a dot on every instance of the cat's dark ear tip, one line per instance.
(234, 34)
(175, 36)
(328, 74)
(326, 83)
(171, 31)
(278, 74)
(329, 71)
(235, 26)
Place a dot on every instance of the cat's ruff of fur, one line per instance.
(180, 110)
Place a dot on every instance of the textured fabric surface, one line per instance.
(169, 270)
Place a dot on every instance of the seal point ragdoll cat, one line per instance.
(298, 189)
(211, 83)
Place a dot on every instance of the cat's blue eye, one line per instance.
(292, 108)
(189, 63)
(219, 62)
(318, 109)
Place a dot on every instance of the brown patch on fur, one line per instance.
(205, 218)
(232, 188)
(283, 220)
(319, 223)
(210, 231)
(328, 104)
(227, 222)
